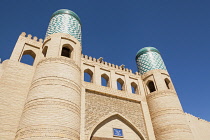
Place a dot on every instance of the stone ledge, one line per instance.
(157, 94)
(62, 60)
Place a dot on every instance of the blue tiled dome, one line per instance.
(65, 21)
(149, 58)
(66, 11)
(146, 49)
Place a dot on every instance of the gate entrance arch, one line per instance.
(116, 127)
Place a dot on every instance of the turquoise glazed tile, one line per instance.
(149, 58)
(65, 21)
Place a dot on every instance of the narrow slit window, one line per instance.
(168, 83)
(44, 51)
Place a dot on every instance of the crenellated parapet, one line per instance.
(27, 45)
(106, 64)
(120, 81)
(32, 40)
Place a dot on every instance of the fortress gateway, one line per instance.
(51, 101)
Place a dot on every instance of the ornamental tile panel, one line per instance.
(65, 23)
(149, 61)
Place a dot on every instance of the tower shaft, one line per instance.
(52, 109)
(168, 118)
(166, 112)
(53, 106)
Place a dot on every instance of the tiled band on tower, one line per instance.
(166, 112)
(52, 109)
(65, 21)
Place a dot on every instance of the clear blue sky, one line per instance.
(117, 29)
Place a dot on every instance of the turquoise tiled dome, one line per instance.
(66, 11)
(149, 58)
(65, 21)
(145, 50)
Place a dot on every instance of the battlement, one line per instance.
(27, 45)
(29, 36)
(100, 61)
(98, 69)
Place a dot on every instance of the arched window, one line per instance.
(120, 84)
(88, 76)
(151, 86)
(168, 83)
(28, 57)
(105, 80)
(66, 51)
(44, 51)
(134, 88)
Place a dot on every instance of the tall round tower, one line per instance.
(166, 112)
(52, 109)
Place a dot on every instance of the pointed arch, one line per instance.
(67, 51)
(88, 75)
(151, 86)
(120, 117)
(120, 84)
(105, 80)
(134, 88)
(28, 57)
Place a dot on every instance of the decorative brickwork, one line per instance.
(164, 106)
(50, 100)
(98, 106)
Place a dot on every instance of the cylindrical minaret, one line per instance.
(166, 112)
(52, 108)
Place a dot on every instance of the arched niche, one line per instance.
(105, 129)
(67, 51)
(134, 88)
(88, 75)
(105, 80)
(28, 57)
(151, 86)
(120, 84)
(168, 83)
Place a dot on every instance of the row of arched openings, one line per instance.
(66, 51)
(29, 56)
(105, 81)
(152, 88)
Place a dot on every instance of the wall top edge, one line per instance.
(100, 61)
